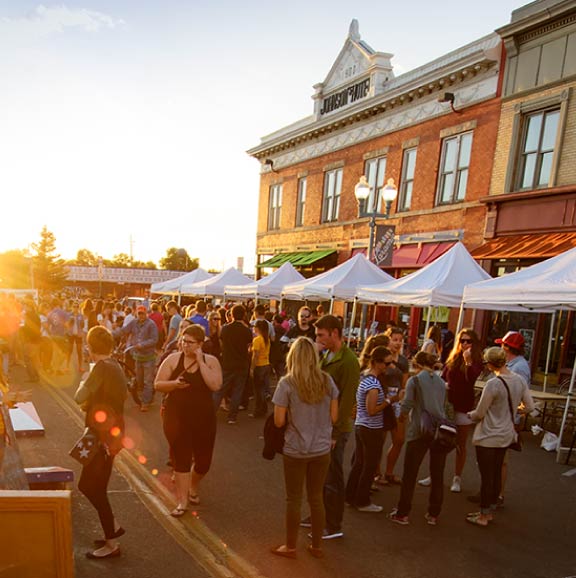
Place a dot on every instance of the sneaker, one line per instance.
(455, 487)
(394, 517)
(425, 482)
(327, 535)
(231, 421)
(306, 522)
(432, 520)
(370, 508)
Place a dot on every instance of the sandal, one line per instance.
(381, 481)
(285, 553)
(194, 499)
(178, 512)
(316, 552)
(476, 519)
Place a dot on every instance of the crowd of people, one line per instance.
(201, 358)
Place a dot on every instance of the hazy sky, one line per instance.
(128, 118)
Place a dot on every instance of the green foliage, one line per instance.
(16, 270)
(178, 260)
(49, 270)
(85, 258)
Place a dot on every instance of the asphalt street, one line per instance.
(243, 504)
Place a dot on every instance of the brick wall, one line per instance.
(423, 216)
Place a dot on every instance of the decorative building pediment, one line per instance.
(357, 74)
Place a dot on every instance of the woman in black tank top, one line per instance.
(189, 379)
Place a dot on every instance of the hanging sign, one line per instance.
(383, 245)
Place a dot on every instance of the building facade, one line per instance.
(531, 207)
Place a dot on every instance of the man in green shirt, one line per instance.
(341, 363)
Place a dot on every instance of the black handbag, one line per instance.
(515, 445)
(86, 448)
(273, 438)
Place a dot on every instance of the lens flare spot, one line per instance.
(115, 431)
(142, 459)
(128, 443)
(100, 416)
(154, 472)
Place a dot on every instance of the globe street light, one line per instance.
(362, 194)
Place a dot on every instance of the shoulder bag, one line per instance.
(86, 448)
(517, 444)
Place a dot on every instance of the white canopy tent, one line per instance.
(546, 286)
(440, 283)
(174, 286)
(339, 283)
(215, 285)
(269, 287)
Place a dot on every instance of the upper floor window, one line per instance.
(407, 182)
(332, 190)
(375, 170)
(534, 166)
(301, 202)
(274, 207)
(454, 165)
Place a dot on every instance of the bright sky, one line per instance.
(131, 118)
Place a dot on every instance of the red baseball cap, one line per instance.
(513, 339)
(141, 309)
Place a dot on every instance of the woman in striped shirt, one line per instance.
(369, 431)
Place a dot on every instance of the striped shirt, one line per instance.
(368, 382)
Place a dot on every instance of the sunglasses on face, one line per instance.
(189, 342)
(465, 340)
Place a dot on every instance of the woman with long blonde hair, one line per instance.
(310, 397)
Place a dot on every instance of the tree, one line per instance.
(85, 258)
(120, 260)
(48, 268)
(16, 270)
(178, 260)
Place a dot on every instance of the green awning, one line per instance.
(297, 259)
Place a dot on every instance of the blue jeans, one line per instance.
(232, 384)
(261, 389)
(335, 486)
(145, 372)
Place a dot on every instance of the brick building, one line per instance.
(531, 206)
(368, 122)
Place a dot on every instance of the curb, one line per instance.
(190, 532)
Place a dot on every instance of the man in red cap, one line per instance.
(143, 338)
(513, 344)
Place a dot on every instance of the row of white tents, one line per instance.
(452, 280)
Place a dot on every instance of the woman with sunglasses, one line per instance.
(189, 378)
(462, 369)
(494, 432)
(371, 401)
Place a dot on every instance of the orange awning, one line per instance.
(539, 246)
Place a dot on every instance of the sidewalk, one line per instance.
(148, 549)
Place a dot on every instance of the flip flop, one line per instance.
(283, 553)
(393, 480)
(178, 512)
(476, 519)
(194, 499)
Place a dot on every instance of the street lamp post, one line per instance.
(362, 194)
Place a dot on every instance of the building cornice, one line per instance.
(455, 69)
(527, 195)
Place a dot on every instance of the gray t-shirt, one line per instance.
(309, 428)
